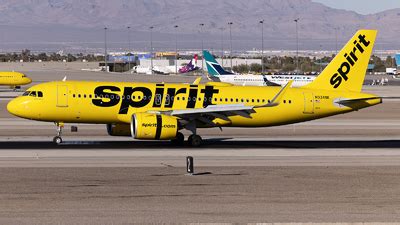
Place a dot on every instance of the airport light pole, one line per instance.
(297, 44)
(202, 46)
(176, 49)
(222, 45)
(129, 48)
(105, 49)
(262, 46)
(151, 49)
(230, 39)
(336, 39)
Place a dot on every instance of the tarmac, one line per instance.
(342, 169)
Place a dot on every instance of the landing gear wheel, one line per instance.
(57, 140)
(179, 139)
(195, 140)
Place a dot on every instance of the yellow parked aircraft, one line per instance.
(14, 79)
(155, 111)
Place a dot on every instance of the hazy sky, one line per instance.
(362, 6)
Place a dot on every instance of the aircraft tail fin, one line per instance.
(346, 72)
(214, 69)
(191, 66)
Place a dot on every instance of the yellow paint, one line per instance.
(14, 79)
(73, 101)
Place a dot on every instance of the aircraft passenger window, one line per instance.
(40, 94)
(258, 100)
(84, 95)
(226, 99)
(284, 101)
(242, 100)
(215, 99)
(247, 100)
(144, 97)
(237, 100)
(183, 98)
(111, 96)
(269, 101)
(199, 99)
(33, 94)
(73, 95)
(177, 98)
(231, 99)
(220, 99)
(90, 96)
(194, 99)
(263, 100)
(252, 100)
(79, 95)
(290, 101)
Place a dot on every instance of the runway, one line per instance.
(339, 169)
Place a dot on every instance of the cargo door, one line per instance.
(62, 96)
(308, 103)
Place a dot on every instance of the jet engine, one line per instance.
(147, 126)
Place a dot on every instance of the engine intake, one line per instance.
(147, 126)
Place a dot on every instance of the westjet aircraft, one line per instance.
(218, 73)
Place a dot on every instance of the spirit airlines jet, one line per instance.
(14, 79)
(158, 111)
(218, 73)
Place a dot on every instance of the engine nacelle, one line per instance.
(122, 130)
(147, 126)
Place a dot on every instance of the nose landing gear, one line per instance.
(57, 139)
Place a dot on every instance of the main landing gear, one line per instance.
(57, 139)
(194, 140)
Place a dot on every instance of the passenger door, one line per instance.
(62, 96)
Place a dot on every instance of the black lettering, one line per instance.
(159, 95)
(192, 97)
(112, 98)
(336, 80)
(350, 60)
(209, 91)
(344, 70)
(171, 94)
(127, 102)
(361, 37)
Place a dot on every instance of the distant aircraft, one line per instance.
(13, 79)
(165, 70)
(158, 111)
(218, 73)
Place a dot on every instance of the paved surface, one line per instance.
(340, 169)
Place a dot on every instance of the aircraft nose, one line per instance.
(17, 107)
(28, 80)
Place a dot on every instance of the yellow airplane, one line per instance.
(157, 111)
(14, 79)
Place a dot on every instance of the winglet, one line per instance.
(278, 97)
(197, 81)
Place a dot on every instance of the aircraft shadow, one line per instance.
(208, 144)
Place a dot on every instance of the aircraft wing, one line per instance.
(211, 112)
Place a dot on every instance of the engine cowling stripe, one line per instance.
(159, 126)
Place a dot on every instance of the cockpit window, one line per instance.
(23, 75)
(33, 94)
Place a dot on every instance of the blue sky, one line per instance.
(362, 6)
